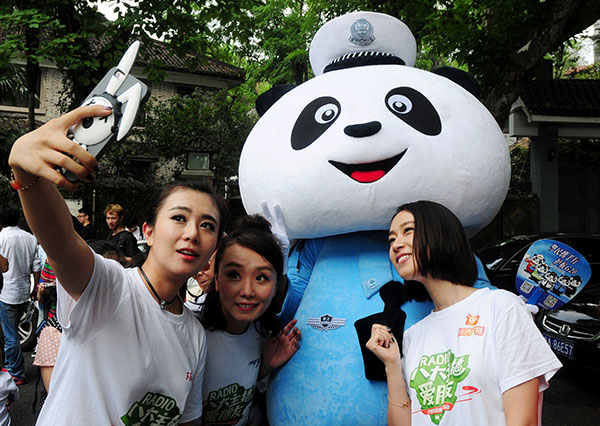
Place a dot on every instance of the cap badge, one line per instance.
(361, 33)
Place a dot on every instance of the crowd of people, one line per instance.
(125, 338)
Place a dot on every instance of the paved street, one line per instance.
(572, 400)
(21, 411)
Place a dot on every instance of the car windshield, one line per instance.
(587, 301)
(493, 256)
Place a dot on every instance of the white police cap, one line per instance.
(361, 34)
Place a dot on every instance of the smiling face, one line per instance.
(246, 283)
(184, 234)
(342, 151)
(401, 236)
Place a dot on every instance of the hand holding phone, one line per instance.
(120, 91)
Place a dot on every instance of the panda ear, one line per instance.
(462, 78)
(267, 99)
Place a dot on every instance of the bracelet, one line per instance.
(16, 185)
(406, 404)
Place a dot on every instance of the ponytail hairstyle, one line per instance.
(252, 232)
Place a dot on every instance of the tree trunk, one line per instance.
(32, 71)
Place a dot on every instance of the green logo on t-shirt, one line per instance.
(226, 405)
(435, 380)
(153, 409)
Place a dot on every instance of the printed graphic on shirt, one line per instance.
(153, 409)
(474, 330)
(472, 319)
(436, 380)
(226, 405)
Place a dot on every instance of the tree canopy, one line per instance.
(83, 43)
(501, 42)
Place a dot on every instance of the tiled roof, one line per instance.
(204, 65)
(564, 97)
(159, 51)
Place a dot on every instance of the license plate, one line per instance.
(560, 346)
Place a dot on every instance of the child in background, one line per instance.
(49, 330)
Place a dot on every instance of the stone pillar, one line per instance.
(596, 40)
(544, 177)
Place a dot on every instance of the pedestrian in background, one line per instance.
(120, 236)
(87, 232)
(20, 261)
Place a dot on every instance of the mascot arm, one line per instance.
(302, 260)
(482, 279)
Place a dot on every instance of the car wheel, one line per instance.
(27, 329)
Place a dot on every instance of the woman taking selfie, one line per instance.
(478, 358)
(130, 353)
(244, 338)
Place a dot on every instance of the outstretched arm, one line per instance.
(383, 344)
(34, 159)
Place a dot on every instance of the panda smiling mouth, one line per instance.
(368, 172)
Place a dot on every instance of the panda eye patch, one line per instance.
(314, 120)
(414, 109)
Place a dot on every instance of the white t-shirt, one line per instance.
(123, 360)
(7, 388)
(232, 364)
(20, 248)
(459, 361)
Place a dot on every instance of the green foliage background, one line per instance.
(501, 42)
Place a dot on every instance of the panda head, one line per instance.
(575, 281)
(342, 151)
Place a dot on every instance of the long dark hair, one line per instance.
(440, 246)
(252, 232)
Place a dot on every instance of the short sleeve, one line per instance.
(36, 263)
(3, 249)
(193, 406)
(83, 318)
(523, 353)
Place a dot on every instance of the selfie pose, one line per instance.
(130, 352)
(478, 358)
(244, 338)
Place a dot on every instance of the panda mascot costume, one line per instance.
(339, 154)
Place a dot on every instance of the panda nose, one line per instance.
(363, 130)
